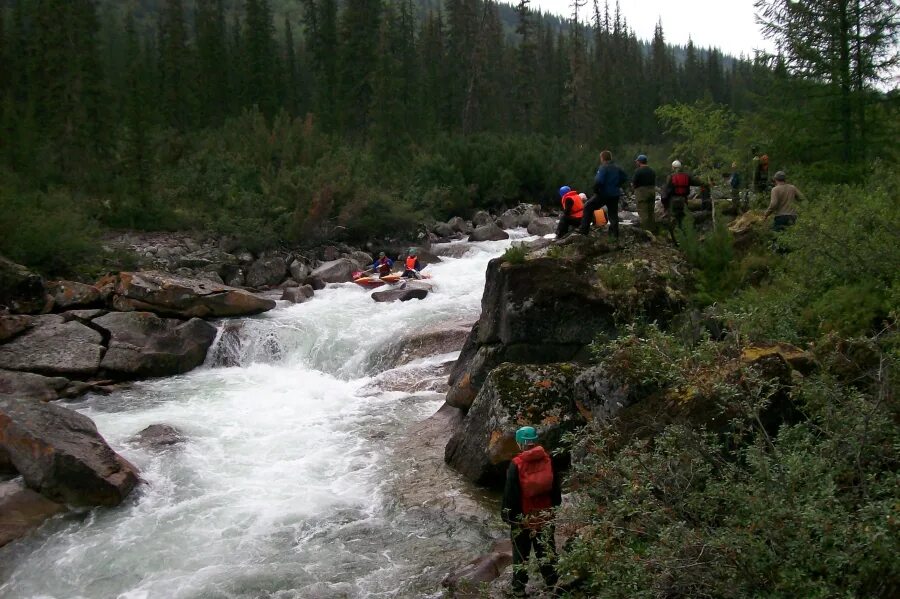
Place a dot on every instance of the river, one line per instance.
(284, 486)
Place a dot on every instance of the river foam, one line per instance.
(282, 489)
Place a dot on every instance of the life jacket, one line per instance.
(536, 483)
(411, 262)
(681, 184)
(383, 265)
(577, 204)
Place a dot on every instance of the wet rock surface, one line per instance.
(551, 306)
(514, 395)
(54, 347)
(159, 436)
(142, 344)
(22, 510)
(60, 454)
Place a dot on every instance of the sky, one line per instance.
(726, 24)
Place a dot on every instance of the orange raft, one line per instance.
(372, 281)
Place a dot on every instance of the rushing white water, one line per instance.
(282, 487)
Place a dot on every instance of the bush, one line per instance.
(49, 233)
(718, 275)
(809, 510)
(516, 253)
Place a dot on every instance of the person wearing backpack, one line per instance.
(676, 191)
(608, 184)
(644, 184)
(531, 492)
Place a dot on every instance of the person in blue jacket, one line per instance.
(382, 265)
(607, 190)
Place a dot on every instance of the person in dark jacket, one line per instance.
(382, 265)
(607, 190)
(644, 184)
(532, 490)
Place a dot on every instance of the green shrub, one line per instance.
(713, 256)
(516, 253)
(49, 233)
(809, 510)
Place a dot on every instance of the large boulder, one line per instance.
(268, 271)
(460, 225)
(159, 436)
(434, 340)
(33, 386)
(68, 295)
(142, 344)
(56, 348)
(402, 294)
(543, 225)
(482, 218)
(171, 295)
(21, 290)
(299, 270)
(10, 326)
(514, 395)
(22, 510)
(489, 232)
(298, 295)
(443, 230)
(61, 455)
(336, 271)
(550, 307)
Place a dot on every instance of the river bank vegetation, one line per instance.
(297, 122)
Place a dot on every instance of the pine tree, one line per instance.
(849, 45)
(174, 91)
(320, 19)
(359, 27)
(260, 81)
(291, 78)
(213, 59)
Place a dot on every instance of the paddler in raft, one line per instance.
(413, 266)
(382, 265)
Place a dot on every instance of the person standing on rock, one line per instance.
(607, 190)
(532, 490)
(676, 191)
(644, 184)
(782, 204)
(573, 210)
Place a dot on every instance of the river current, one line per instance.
(283, 488)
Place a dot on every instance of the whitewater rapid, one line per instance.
(282, 489)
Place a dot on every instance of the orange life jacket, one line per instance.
(681, 184)
(535, 480)
(600, 217)
(577, 204)
(411, 262)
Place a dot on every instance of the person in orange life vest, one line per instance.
(532, 489)
(676, 190)
(412, 265)
(382, 265)
(573, 209)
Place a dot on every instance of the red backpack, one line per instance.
(681, 184)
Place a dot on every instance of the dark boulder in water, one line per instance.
(159, 436)
(61, 455)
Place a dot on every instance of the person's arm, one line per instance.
(556, 493)
(800, 195)
(567, 206)
(511, 510)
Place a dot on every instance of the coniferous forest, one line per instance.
(303, 120)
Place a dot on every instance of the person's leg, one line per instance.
(563, 227)
(613, 214)
(545, 547)
(646, 200)
(521, 548)
(678, 205)
(588, 217)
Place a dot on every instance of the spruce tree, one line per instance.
(258, 53)
(174, 93)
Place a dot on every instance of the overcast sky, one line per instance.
(726, 24)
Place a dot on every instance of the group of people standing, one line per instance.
(581, 212)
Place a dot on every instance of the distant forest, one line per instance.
(303, 119)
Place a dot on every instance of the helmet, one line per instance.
(412, 251)
(525, 435)
(381, 254)
(583, 196)
(642, 158)
(676, 164)
(564, 190)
